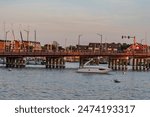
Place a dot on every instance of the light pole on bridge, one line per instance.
(79, 37)
(100, 41)
(27, 31)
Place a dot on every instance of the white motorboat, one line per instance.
(93, 69)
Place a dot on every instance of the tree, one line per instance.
(124, 46)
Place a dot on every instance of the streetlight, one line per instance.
(65, 44)
(101, 40)
(34, 39)
(27, 31)
(79, 36)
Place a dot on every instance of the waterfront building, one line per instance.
(138, 48)
(5, 45)
(48, 47)
(94, 46)
(82, 47)
(31, 46)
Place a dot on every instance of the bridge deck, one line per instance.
(63, 54)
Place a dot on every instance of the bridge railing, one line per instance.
(68, 53)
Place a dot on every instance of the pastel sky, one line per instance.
(62, 20)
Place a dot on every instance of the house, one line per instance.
(30, 46)
(109, 47)
(113, 47)
(138, 48)
(4, 45)
(48, 47)
(94, 46)
(82, 47)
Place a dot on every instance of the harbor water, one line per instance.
(38, 83)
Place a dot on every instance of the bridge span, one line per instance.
(116, 61)
(64, 54)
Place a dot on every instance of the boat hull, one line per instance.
(86, 70)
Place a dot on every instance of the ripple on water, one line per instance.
(40, 83)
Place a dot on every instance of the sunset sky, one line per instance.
(62, 20)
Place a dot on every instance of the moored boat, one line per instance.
(93, 69)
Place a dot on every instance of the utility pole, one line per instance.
(27, 31)
(100, 41)
(79, 37)
(4, 30)
(65, 44)
(35, 39)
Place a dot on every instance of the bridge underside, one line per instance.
(58, 62)
(51, 62)
(55, 62)
(15, 62)
(137, 64)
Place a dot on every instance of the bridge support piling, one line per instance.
(140, 67)
(112, 64)
(144, 64)
(15, 62)
(140, 64)
(133, 64)
(137, 64)
(55, 62)
(117, 63)
(148, 64)
(109, 63)
(126, 64)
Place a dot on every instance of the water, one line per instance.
(39, 83)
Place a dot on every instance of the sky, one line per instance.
(64, 20)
